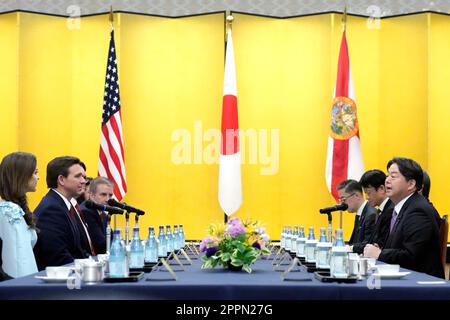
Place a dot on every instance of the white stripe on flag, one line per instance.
(230, 187)
(355, 162)
(229, 82)
(329, 165)
(111, 165)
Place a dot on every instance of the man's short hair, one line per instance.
(97, 181)
(373, 178)
(350, 186)
(426, 185)
(60, 166)
(410, 169)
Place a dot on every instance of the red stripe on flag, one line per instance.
(230, 126)
(104, 162)
(115, 127)
(112, 153)
(342, 81)
(340, 165)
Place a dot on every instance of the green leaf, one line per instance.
(247, 268)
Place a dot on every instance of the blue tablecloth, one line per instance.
(219, 284)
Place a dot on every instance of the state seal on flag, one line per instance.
(344, 123)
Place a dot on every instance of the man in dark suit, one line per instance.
(350, 192)
(372, 182)
(60, 237)
(101, 190)
(413, 240)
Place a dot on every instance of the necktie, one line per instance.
(85, 228)
(393, 220)
(72, 214)
(377, 215)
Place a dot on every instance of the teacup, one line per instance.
(58, 272)
(387, 268)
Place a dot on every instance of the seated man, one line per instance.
(60, 237)
(100, 190)
(372, 182)
(413, 240)
(350, 192)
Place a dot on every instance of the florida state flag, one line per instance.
(344, 157)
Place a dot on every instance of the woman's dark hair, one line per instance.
(16, 170)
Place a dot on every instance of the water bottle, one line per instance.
(310, 246)
(181, 235)
(323, 251)
(151, 247)
(169, 240)
(136, 250)
(117, 257)
(339, 257)
(289, 239)
(283, 238)
(301, 240)
(162, 243)
(294, 240)
(176, 238)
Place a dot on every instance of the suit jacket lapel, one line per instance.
(399, 218)
(74, 228)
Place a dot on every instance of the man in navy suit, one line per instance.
(350, 192)
(101, 190)
(60, 238)
(413, 240)
(372, 182)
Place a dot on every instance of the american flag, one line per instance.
(112, 161)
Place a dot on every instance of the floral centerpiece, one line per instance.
(234, 245)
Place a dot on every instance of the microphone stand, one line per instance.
(108, 232)
(330, 227)
(127, 228)
(136, 221)
(340, 219)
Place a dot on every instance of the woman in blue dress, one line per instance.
(18, 175)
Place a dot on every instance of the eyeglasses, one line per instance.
(343, 199)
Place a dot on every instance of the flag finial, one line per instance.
(229, 22)
(344, 17)
(111, 16)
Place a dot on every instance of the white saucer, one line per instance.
(52, 280)
(396, 275)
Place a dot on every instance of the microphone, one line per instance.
(338, 207)
(126, 207)
(102, 207)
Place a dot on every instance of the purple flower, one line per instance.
(204, 244)
(256, 245)
(235, 229)
(211, 251)
(234, 220)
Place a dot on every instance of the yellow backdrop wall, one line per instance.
(171, 74)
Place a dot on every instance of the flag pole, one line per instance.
(344, 17)
(344, 28)
(228, 23)
(111, 16)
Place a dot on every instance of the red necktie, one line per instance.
(72, 215)
(84, 222)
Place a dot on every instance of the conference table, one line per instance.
(194, 283)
